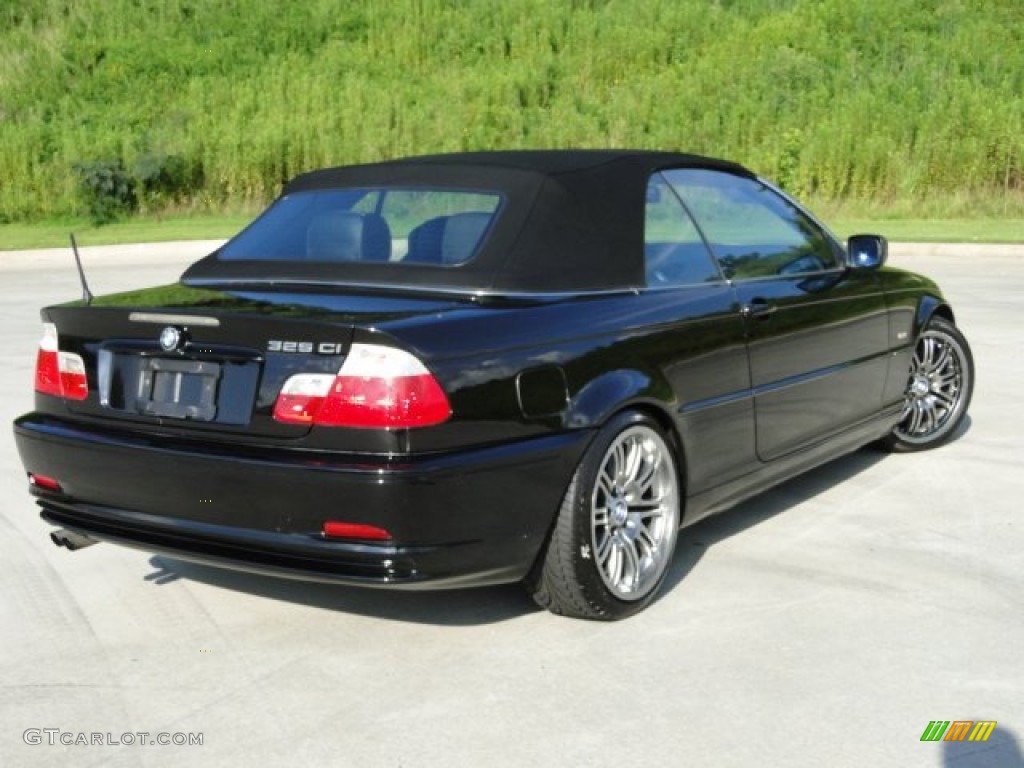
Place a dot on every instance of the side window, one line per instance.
(752, 231)
(674, 252)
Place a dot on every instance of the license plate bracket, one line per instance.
(178, 389)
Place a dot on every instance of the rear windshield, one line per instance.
(441, 227)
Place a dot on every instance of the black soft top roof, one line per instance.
(571, 220)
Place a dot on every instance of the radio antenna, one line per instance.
(86, 293)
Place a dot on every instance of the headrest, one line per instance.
(348, 236)
(447, 239)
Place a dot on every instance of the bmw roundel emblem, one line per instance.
(170, 338)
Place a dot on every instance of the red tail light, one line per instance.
(377, 388)
(59, 373)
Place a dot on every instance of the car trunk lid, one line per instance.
(201, 361)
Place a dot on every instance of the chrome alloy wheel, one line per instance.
(935, 397)
(635, 512)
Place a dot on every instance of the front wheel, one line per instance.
(616, 530)
(938, 391)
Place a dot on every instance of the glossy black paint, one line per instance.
(753, 380)
(816, 358)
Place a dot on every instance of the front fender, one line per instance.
(928, 307)
(913, 300)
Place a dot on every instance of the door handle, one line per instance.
(759, 308)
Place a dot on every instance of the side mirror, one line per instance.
(866, 251)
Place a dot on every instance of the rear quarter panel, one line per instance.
(679, 353)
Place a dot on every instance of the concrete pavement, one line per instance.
(823, 624)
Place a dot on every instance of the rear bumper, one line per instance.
(464, 518)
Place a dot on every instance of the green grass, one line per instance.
(149, 229)
(936, 230)
(214, 103)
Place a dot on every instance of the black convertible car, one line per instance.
(491, 367)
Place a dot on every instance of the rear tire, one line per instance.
(612, 544)
(938, 391)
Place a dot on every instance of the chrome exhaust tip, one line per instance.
(71, 539)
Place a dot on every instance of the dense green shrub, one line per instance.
(219, 101)
(108, 190)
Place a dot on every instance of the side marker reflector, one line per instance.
(337, 530)
(44, 482)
